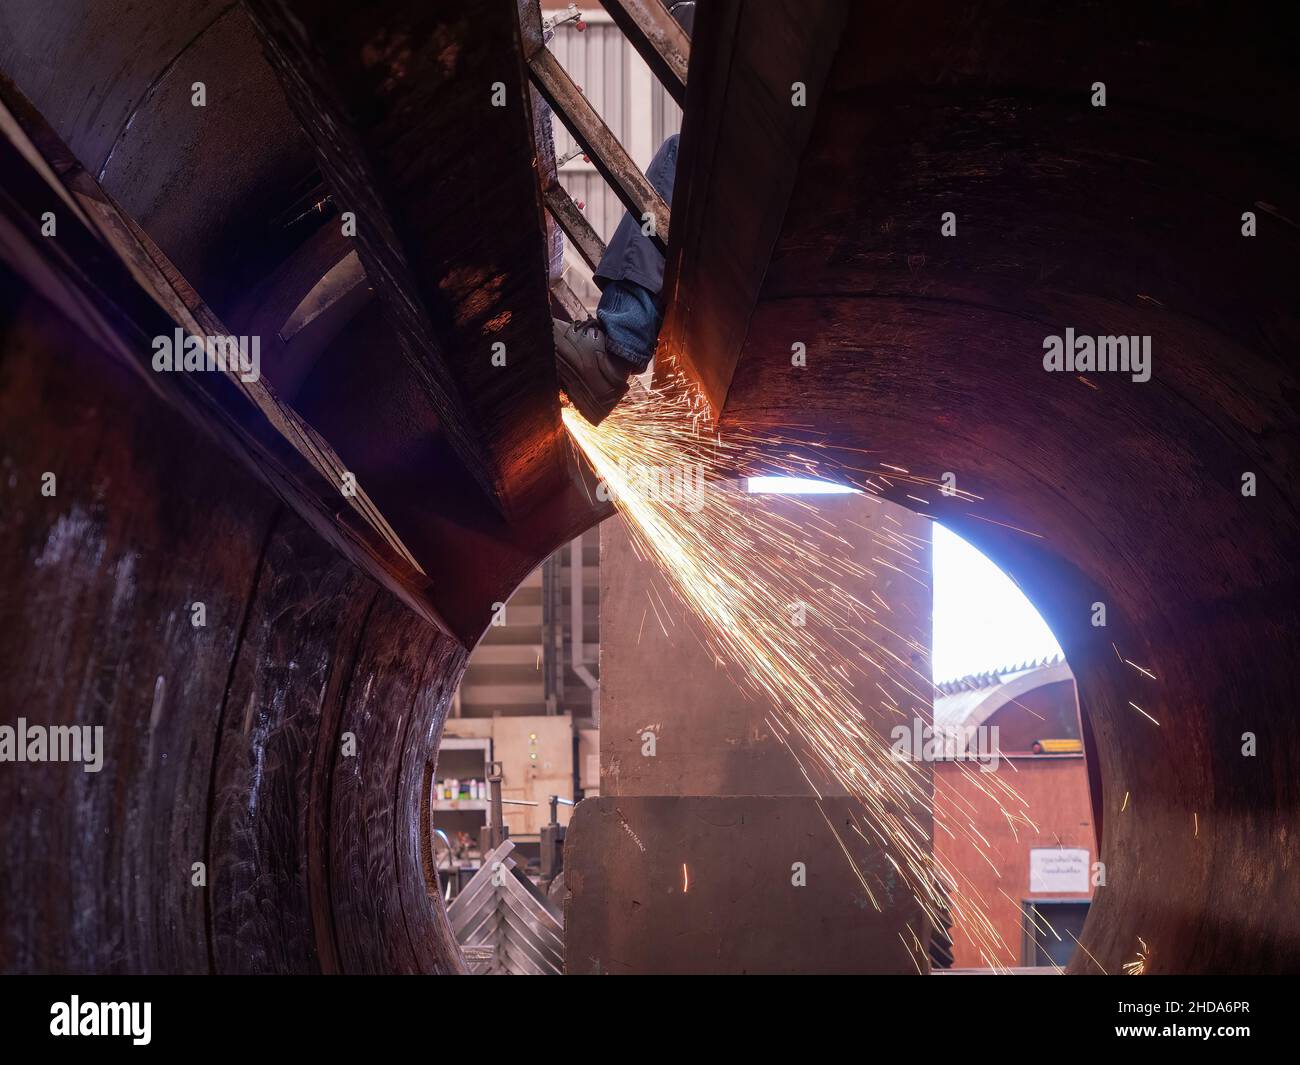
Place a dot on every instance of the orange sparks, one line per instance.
(745, 568)
(1138, 965)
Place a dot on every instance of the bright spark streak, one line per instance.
(1086, 951)
(1140, 669)
(1138, 965)
(741, 563)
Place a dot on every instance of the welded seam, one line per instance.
(397, 807)
(152, 87)
(249, 601)
(327, 844)
(443, 655)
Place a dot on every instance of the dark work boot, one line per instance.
(593, 379)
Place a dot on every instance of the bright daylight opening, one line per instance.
(1001, 680)
(598, 641)
(982, 620)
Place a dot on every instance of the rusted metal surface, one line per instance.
(224, 743)
(923, 349)
(398, 99)
(270, 787)
(544, 164)
(658, 39)
(363, 399)
(310, 843)
(95, 630)
(108, 275)
(265, 308)
(398, 689)
(354, 396)
(40, 42)
(743, 133)
(310, 860)
(116, 80)
(702, 884)
(926, 351)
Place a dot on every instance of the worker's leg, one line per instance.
(632, 255)
(595, 357)
(631, 320)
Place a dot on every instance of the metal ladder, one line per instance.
(664, 47)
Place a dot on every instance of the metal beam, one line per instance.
(567, 300)
(108, 277)
(604, 150)
(742, 138)
(658, 39)
(582, 235)
(561, 209)
(432, 154)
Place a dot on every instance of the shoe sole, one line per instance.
(581, 397)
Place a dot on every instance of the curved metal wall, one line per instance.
(283, 744)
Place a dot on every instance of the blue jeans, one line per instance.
(631, 319)
(631, 273)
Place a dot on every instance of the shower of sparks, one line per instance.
(1138, 965)
(747, 569)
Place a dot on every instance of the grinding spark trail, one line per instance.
(768, 578)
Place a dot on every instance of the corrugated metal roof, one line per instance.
(995, 676)
(957, 699)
